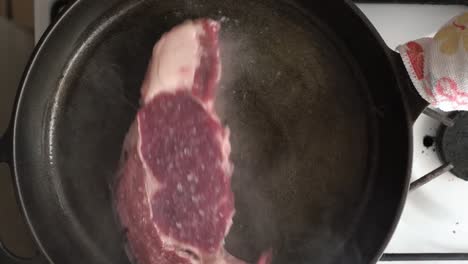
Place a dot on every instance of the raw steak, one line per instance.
(173, 190)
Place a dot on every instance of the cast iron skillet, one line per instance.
(317, 105)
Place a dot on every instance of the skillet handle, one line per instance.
(7, 257)
(414, 102)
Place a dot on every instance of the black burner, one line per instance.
(452, 144)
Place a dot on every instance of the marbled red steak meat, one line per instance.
(173, 192)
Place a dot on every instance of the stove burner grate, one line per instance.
(452, 144)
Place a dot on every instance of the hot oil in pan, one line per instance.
(300, 136)
(296, 110)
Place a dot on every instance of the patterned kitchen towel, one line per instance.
(438, 66)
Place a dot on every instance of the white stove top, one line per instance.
(435, 218)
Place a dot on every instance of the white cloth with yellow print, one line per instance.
(438, 66)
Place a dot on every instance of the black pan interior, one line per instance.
(304, 129)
